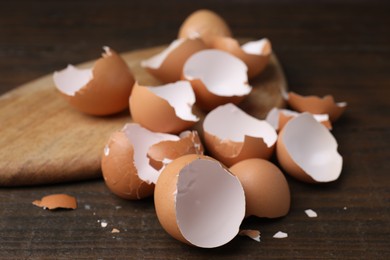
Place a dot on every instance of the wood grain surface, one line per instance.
(325, 47)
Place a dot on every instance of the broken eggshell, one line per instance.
(217, 78)
(166, 108)
(167, 66)
(316, 105)
(199, 202)
(56, 201)
(231, 135)
(205, 24)
(101, 90)
(279, 117)
(267, 193)
(255, 54)
(126, 167)
(308, 151)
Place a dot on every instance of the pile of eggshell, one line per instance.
(203, 200)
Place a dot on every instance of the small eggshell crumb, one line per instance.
(280, 234)
(254, 234)
(115, 230)
(311, 213)
(56, 201)
(103, 223)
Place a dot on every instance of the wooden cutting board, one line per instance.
(43, 140)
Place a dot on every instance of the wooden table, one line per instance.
(341, 49)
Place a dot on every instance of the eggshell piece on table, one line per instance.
(255, 54)
(254, 234)
(101, 90)
(167, 66)
(217, 78)
(125, 165)
(308, 151)
(205, 24)
(278, 117)
(231, 135)
(316, 105)
(199, 202)
(56, 201)
(267, 193)
(167, 108)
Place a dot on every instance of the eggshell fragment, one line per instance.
(308, 151)
(280, 234)
(316, 105)
(267, 193)
(279, 117)
(231, 135)
(166, 108)
(101, 90)
(125, 165)
(55, 201)
(199, 202)
(167, 66)
(311, 213)
(217, 78)
(255, 54)
(205, 24)
(254, 234)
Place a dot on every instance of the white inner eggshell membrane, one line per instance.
(313, 148)
(180, 96)
(71, 79)
(229, 122)
(210, 204)
(273, 116)
(222, 73)
(142, 139)
(255, 47)
(156, 61)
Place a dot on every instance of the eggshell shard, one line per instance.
(167, 66)
(125, 165)
(316, 105)
(56, 201)
(279, 117)
(217, 78)
(267, 193)
(308, 151)
(166, 108)
(101, 90)
(205, 24)
(199, 202)
(231, 135)
(254, 234)
(255, 54)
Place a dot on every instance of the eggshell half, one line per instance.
(231, 135)
(199, 202)
(308, 151)
(205, 24)
(279, 117)
(255, 54)
(166, 108)
(267, 193)
(101, 90)
(316, 105)
(167, 66)
(125, 165)
(217, 78)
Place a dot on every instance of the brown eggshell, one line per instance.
(267, 193)
(217, 78)
(108, 90)
(119, 172)
(167, 66)
(231, 135)
(156, 113)
(56, 201)
(199, 202)
(255, 62)
(308, 151)
(316, 105)
(189, 143)
(205, 24)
